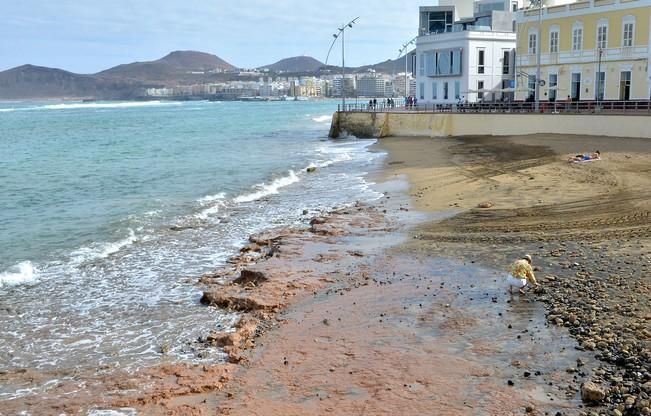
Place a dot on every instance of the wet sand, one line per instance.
(400, 307)
(587, 226)
(413, 318)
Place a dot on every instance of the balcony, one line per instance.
(579, 5)
(585, 56)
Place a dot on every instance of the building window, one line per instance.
(577, 39)
(421, 65)
(457, 90)
(625, 86)
(532, 43)
(435, 88)
(481, 58)
(601, 83)
(455, 56)
(506, 62)
(532, 88)
(627, 39)
(445, 90)
(421, 90)
(480, 90)
(430, 63)
(440, 22)
(553, 41)
(553, 86)
(514, 6)
(575, 89)
(448, 62)
(602, 37)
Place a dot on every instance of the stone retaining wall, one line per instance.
(382, 124)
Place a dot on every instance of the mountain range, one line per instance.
(128, 81)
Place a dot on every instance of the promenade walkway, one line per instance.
(574, 107)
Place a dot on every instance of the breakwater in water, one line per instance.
(405, 124)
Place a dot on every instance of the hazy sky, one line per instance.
(87, 36)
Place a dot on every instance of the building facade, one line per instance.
(466, 58)
(371, 86)
(589, 50)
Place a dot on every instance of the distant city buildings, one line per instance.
(372, 86)
(367, 84)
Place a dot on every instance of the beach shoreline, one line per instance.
(399, 307)
(308, 386)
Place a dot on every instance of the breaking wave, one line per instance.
(322, 119)
(268, 189)
(21, 273)
(75, 106)
(102, 250)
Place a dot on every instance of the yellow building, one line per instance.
(589, 50)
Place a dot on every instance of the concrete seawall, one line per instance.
(384, 124)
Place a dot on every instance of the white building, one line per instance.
(371, 86)
(469, 58)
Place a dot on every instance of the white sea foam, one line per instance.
(7, 110)
(210, 198)
(214, 203)
(268, 189)
(208, 212)
(113, 412)
(74, 106)
(21, 273)
(102, 250)
(322, 119)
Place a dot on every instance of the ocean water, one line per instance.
(109, 212)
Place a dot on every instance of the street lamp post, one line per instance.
(400, 51)
(341, 33)
(599, 86)
(538, 53)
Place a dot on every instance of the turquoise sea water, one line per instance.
(110, 211)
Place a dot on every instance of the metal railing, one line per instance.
(558, 107)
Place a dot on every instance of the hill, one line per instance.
(295, 64)
(30, 81)
(120, 82)
(172, 66)
(390, 66)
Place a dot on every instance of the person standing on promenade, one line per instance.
(520, 273)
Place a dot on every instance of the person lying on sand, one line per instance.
(596, 155)
(520, 273)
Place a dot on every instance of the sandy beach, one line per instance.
(400, 307)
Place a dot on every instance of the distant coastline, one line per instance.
(184, 76)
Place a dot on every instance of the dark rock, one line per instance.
(251, 276)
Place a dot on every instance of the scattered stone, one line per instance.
(592, 392)
(589, 345)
